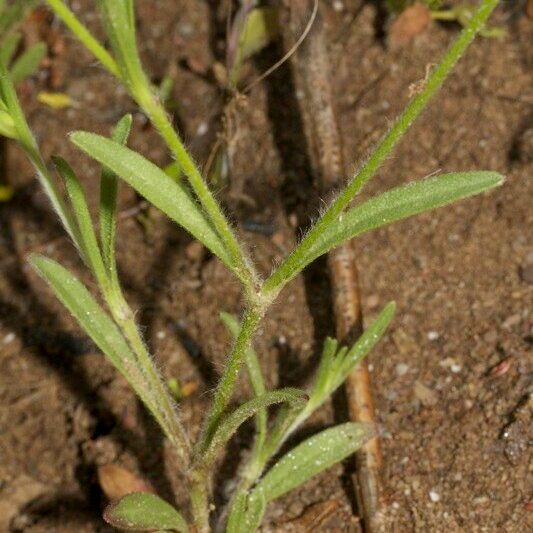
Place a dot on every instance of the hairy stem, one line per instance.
(199, 495)
(159, 118)
(142, 93)
(123, 316)
(83, 34)
(226, 385)
(292, 265)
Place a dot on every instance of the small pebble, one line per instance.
(401, 369)
(10, 337)
(372, 301)
(161, 334)
(202, 129)
(490, 336)
(293, 220)
(511, 321)
(195, 251)
(434, 496)
(338, 6)
(427, 396)
(278, 240)
(456, 368)
(433, 335)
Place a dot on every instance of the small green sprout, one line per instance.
(182, 193)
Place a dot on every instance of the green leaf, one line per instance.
(260, 28)
(28, 62)
(88, 244)
(119, 23)
(237, 514)
(233, 421)
(311, 457)
(97, 324)
(144, 512)
(402, 202)
(156, 186)
(8, 47)
(326, 367)
(7, 126)
(365, 343)
(24, 137)
(255, 509)
(108, 201)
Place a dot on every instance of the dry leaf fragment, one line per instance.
(410, 23)
(115, 481)
(427, 396)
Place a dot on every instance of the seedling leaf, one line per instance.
(8, 47)
(28, 62)
(365, 344)
(141, 511)
(88, 244)
(233, 421)
(108, 201)
(311, 457)
(98, 325)
(260, 28)
(156, 186)
(402, 202)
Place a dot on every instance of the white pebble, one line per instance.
(10, 337)
(401, 369)
(338, 6)
(456, 368)
(161, 334)
(202, 129)
(433, 335)
(434, 496)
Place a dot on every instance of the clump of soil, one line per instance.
(451, 378)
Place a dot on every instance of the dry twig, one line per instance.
(313, 75)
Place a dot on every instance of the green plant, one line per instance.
(188, 201)
(19, 68)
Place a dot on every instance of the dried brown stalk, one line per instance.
(313, 75)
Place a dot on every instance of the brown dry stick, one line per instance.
(313, 77)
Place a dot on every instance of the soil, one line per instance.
(452, 379)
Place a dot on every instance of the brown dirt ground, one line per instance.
(455, 436)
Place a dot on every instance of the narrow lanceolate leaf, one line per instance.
(261, 28)
(237, 514)
(28, 62)
(311, 457)
(232, 422)
(108, 200)
(156, 186)
(8, 47)
(365, 343)
(88, 244)
(97, 324)
(7, 126)
(141, 511)
(402, 202)
(24, 137)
